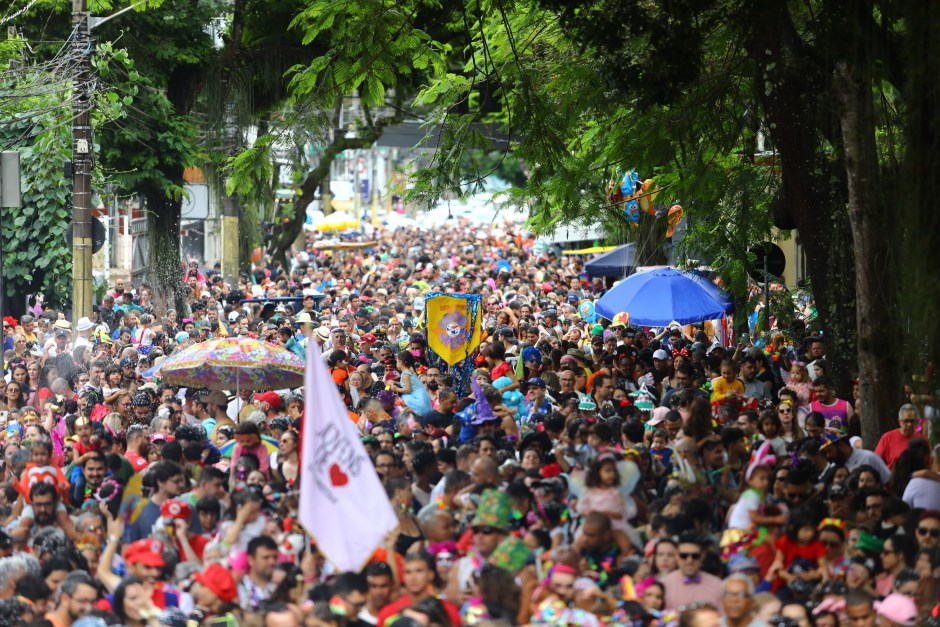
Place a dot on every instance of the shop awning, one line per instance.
(615, 263)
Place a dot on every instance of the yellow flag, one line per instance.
(449, 325)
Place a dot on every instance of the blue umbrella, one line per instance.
(503, 266)
(660, 296)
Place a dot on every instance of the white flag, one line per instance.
(342, 502)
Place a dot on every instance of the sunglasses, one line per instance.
(690, 556)
(486, 531)
(926, 531)
(830, 543)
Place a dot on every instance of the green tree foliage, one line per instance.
(36, 257)
(376, 50)
(685, 91)
(36, 106)
(147, 151)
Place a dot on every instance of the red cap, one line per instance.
(176, 509)
(147, 552)
(368, 338)
(271, 398)
(219, 580)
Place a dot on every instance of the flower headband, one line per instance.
(107, 498)
(831, 522)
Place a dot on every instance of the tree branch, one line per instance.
(315, 177)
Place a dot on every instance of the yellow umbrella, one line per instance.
(335, 222)
(589, 251)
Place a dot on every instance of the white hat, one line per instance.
(256, 417)
(658, 416)
(62, 324)
(233, 316)
(661, 354)
(418, 303)
(323, 333)
(84, 324)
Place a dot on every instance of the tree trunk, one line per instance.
(919, 187)
(166, 268)
(875, 271)
(291, 228)
(792, 92)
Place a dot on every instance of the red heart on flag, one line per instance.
(337, 477)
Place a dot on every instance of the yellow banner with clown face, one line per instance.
(454, 325)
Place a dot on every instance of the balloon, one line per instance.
(629, 182)
(673, 219)
(586, 311)
(646, 197)
(631, 211)
(621, 319)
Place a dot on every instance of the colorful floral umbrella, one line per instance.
(234, 363)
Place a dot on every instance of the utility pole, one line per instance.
(9, 197)
(82, 159)
(230, 226)
(374, 187)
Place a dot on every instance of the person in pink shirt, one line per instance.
(894, 442)
(689, 584)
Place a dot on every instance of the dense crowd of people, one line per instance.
(585, 473)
